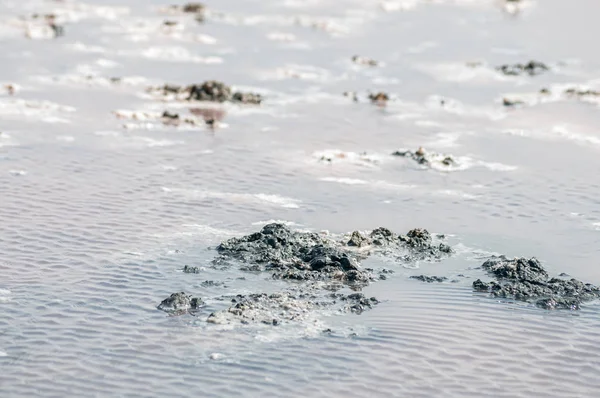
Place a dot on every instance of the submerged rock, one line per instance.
(422, 157)
(275, 243)
(527, 280)
(180, 303)
(294, 255)
(270, 309)
(284, 307)
(581, 93)
(379, 98)
(317, 267)
(531, 68)
(210, 91)
(429, 279)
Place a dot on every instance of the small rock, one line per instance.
(429, 279)
(179, 303)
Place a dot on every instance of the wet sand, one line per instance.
(104, 199)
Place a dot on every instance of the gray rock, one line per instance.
(526, 280)
(429, 279)
(180, 303)
(531, 68)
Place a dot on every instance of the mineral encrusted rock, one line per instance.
(210, 90)
(429, 279)
(179, 303)
(531, 68)
(527, 280)
(425, 158)
(281, 307)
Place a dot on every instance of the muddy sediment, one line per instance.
(180, 303)
(527, 280)
(532, 68)
(209, 91)
(317, 267)
(425, 158)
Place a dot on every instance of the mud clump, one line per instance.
(180, 303)
(509, 103)
(269, 309)
(275, 243)
(532, 68)
(417, 244)
(209, 91)
(579, 93)
(283, 307)
(527, 280)
(319, 270)
(429, 279)
(379, 98)
(422, 157)
(193, 8)
(302, 256)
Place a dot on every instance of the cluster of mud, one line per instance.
(422, 157)
(527, 280)
(210, 116)
(532, 68)
(319, 269)
(209, 91)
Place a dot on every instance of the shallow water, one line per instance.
(98, 219)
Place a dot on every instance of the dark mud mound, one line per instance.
(180, 303)
(532, 68)
(526, 280)
(323, 263)
(275, 243)
(318, 268)
(294, 255)
(209, 91)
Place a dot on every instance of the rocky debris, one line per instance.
(11, 89)
(532, 68)
(581, 93)
(358, 240)
(379, 98)
(270, 309)
(324, 264)
(283, 307)
(425, 158)
(193, 7)
(511, 102)
(198, 9)
(167, 118)
(191, 270)
(364, 61)
(180, 303)
(417, 242)
(429, 279)
(302, 256)
(526, 280)
(275, 243)
(210, 91)
(318, 267)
